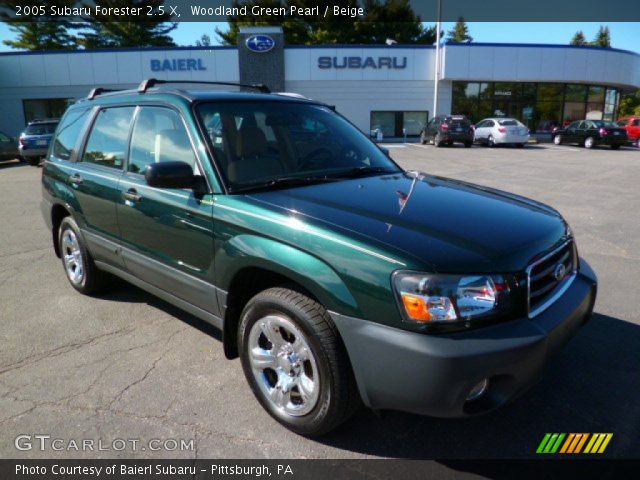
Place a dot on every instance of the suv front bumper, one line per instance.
(433, 374)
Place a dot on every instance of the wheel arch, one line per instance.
(58, 213)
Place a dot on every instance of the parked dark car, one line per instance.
(336, 276)
(590, 133)
(447, 130)
(33, 142)
(8, 147)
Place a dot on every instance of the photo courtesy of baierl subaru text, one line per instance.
(310, 240)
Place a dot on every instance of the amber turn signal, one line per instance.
(416, 307)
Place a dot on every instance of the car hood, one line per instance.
(433, 222)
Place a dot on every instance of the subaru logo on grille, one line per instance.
(559, 272)
(260, 43)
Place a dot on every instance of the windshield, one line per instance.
(258, 144)
(40, 129)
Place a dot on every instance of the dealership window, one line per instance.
(540, 106)
(398, 124)
(37, 109)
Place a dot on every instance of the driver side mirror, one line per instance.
(170, 175)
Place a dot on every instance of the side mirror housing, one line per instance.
(170, 175)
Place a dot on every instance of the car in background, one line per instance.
(33, 143)
(501, 131)
(8, 147)
(590, 133)
(632, 126)
(446, 130)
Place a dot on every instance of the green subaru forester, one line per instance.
(336, 276)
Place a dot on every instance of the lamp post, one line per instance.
(437, 62)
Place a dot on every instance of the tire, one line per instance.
(437, 141)
(33, 161)
(615, 147)
(557, 140)
(278, 319)
(520, 145)
(490, 142)
(638, 142)
(79, 267)
(423, 138)
(468, 144)
(589, 142)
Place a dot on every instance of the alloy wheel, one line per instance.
(72, 257)
(284, 365)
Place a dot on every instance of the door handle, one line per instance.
(75, 178)
(132, 195)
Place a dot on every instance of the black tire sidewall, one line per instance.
(314, 422)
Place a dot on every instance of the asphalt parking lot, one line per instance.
(126, 365)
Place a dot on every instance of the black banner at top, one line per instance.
(220, 10)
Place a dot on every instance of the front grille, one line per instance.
(549, 276)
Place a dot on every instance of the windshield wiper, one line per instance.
(282, 181)
(363, 171)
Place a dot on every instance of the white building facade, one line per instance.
(389, 88)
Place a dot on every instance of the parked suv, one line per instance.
(336, 276)
(446, 130)
(33, 142)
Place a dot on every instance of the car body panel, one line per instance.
(632, 125)
(579, 131)
(458, 129)
(513, 134)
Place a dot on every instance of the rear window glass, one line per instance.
(40, 129)
(508, 123)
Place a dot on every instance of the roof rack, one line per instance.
(99, 91)
(152, 82)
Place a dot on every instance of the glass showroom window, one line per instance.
(610, 104)
(397, 124)
(45, 108)
(574, 103)
(595, 103)
(465, 100)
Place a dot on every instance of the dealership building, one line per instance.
(389, 88)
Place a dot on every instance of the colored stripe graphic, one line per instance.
(574, 442)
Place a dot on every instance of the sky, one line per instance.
(623, 35)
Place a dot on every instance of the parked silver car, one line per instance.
(501, 131)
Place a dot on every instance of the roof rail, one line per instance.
(99, 91)
(152, 82)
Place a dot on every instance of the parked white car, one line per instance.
(501, 131)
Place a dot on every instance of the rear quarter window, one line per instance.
(66, 139)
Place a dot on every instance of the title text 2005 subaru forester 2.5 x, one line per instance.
(336, 276)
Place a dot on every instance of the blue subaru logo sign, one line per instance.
(260, 43)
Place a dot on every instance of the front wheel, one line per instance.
(491, 142)
(589, 142)
(557, 140)
(295, 362)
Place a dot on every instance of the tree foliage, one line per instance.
(108, 32)
(43, 34)
(204, 41)
(383, 19)
(579, 38)
(629, 104)
(460, 32)
(603, 37)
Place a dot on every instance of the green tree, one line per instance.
(579, 38)
(106, 31)
(629, 104)
(45, 34)
(460, 32)
(204, 41)
(603, 37)
(383, 19)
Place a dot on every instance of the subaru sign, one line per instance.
(260, 43)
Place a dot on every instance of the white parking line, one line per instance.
(393, 145)
(560, 147)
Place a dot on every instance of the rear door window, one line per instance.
(107, 143)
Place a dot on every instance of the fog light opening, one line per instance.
(478, 390)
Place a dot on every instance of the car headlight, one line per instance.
(452, 302)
